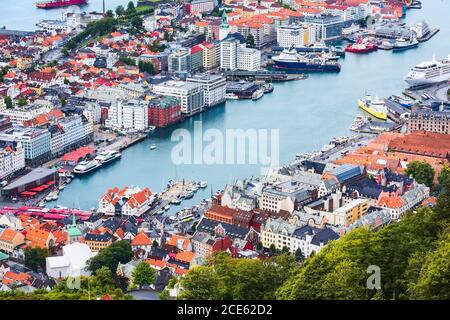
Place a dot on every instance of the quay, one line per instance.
(263, 75)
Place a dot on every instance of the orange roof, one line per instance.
(20, 277)
(180, 271)
(186, 256)
(179, 239)
(159, 264)
(141, 239)
(391, 201)
(37, 237)
(8, 235)
(201, 23)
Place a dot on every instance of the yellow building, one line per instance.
(348, 213)
(209, 55)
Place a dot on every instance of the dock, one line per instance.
(264, 75)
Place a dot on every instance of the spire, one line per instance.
(224, 23)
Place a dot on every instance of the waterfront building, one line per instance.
(213, 85)
(35, 141)
(189, 93)
(128, 201)
(296, 35)
(180, 60)
(128, 115)
(428, 120)
(73, 131)
(204, 244)
(12, 158)
(249, 59)
(164, 111)
(328, 27)
(221, 213)
(236, 197)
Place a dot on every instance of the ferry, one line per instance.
(86, 166)
(429, 72)
(231, 96)
(50, 4)
(361, 47)
(403, 44)
(358, 123)
(374, 107)
(153, 147)
(290, 60)
(107, 156)
(257, 94)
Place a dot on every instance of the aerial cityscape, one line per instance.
(224, 150)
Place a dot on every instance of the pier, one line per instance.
(263, 75)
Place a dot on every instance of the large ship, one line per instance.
(290, 60)
(361, 46)
(375, 107)
(86, 166)
(429, 72)
(49, 4)
(107, 156)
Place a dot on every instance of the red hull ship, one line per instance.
(59, 3)
(361, 47)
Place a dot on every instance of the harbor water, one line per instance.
(307, 113)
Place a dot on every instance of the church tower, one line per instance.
(224, 29)
(74, 234)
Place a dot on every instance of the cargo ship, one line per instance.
(290, 60)
(50, 4)
(374, 107)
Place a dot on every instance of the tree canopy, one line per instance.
(119, 251)
(422, 171)
(143, 274)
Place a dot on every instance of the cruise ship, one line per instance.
(429, 72)
(374, 107)
(86, 166)
(290, 60)
(107, 156)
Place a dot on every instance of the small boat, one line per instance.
(257, 94)
(153, 147)
(231, 96)
(61, 187)
(403, 44)
(268, 88)
(194, 189)
(55, 196)
(358, 123)
(167, 207)
(189, 195)
(173, 218)
(202, 184)
(175, 201)
(41, 204)
(182, 196)
(151, 128)
(160, 212)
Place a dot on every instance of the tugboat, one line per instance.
(361, 47)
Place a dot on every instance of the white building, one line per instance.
(229, 53)
(249, 59)
(128, 201)
(71, 263)
(189, 93)
(18, 114)
(129, 115)
(214, 88)
(12, 159)
(295, 35)
(73, 129)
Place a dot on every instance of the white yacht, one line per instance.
(86, 166)
(231, 96)
(421, 29)
(358, 123)
(107, 156)
(429, 72)
(202, 184)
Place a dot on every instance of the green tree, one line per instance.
(285, 250)
(66, 81)
(259, 246)
(421, 171)
(22, 101)
(155, 244)
(299, 256)
(146, 67)
(433, 282)
(137, 22)
(250, 41)
(35, 257)
(103, 281)
(201, 283)
(143, 274)
(444, 175)
(63, 101)
(8, 102)
(164, 295)
(119, 251)
(120, 11)
(272, 250)
(110, 13)
(130, 6)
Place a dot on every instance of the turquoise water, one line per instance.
(308, 113)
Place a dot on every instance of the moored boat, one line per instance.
(375, 107)
(290, 60)
(403, 44)
(361, 46)
(257, 94)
